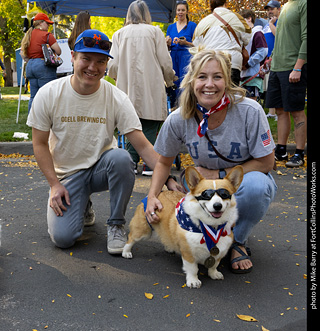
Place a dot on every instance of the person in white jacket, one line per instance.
(141, 66)
(213, 34)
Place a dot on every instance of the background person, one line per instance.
(3, 73)
(73, 121)
(37, 72)
(82, 23)
(239, 130)
(288, 79)
(179, 39)
(211, 33)
(141, 64)
(273, 11)
(257, 50)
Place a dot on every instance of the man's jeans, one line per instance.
(114, 172)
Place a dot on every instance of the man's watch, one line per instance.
(222, 173)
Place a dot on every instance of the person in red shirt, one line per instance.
(37, 72)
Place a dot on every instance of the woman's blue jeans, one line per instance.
(38, 75)
(254, 197)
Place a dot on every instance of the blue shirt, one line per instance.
(269, 37)
(186, 32)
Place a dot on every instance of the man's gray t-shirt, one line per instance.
(244, 133)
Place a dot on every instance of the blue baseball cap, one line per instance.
(93, 41)
(273, 4)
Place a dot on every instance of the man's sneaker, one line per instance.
(297, 160)
(275, 117)
(281, 157)
(136, 168)
(116, 240)
(147, 171)
(89, 215)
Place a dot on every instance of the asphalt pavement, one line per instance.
(84, 288)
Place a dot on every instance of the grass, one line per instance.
(8, 115)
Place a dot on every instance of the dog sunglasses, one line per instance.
(208, 194)
(91, 42)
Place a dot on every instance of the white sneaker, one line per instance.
(146, 170)
(89, 215)
(116, 240)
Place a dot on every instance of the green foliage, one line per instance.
(8, 115)
(11, 25)
(107, 25)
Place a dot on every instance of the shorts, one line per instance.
(252, 91)
(282, 94)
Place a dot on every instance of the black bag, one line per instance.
(51, 59)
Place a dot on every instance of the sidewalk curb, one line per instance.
(26, 148)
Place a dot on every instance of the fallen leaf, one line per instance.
(217, 321)
(187, 315)
(69, 295)
(263, 328)
(148, 295)
(125, 316)
(246, 318)
(166, 296)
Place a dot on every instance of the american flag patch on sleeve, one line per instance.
(266, 138)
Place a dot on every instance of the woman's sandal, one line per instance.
(240, 258)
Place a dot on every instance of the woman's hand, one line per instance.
(172, 185)
(168, 41)
(207, 173)
(152, 206)
(181, 41)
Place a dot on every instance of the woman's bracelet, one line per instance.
(299, 70)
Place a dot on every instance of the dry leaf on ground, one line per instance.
(246, 318)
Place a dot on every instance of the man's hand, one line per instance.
(59, 193)
(295, 76)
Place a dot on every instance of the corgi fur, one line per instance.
(213, 212)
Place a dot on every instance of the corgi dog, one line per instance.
(198, 225)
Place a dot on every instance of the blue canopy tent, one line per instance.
(161, 10)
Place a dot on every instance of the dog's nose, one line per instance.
(217, 206)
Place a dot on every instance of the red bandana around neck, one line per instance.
(203, 126)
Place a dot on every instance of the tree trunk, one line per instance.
(9, 78)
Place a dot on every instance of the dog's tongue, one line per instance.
(216, 214)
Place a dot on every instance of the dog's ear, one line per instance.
(235, 176)
(193, 177)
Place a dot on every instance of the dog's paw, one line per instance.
(215, 274)
(194, 283)
(127, 255)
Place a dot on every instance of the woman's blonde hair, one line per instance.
(25, 43)
(188, 100)
(138, 12)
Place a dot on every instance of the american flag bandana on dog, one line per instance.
(211, 235)
(203, 126)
